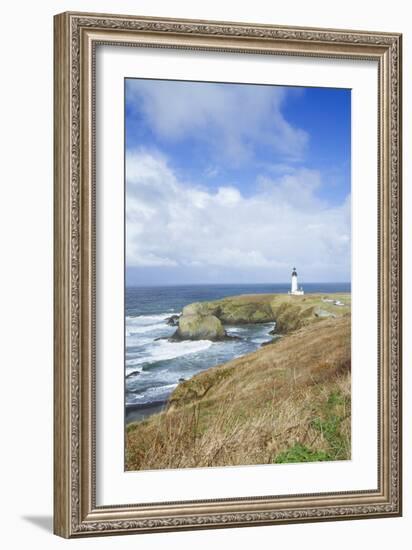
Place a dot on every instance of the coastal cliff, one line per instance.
(289, 312)
(286, 402)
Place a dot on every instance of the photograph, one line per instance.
(237, 299)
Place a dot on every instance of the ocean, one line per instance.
(153, 367)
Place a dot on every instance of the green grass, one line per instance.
(329, 425)
(336, 410)
(301, 453)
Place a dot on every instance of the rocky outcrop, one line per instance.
(291, 316)
(323, 313)
(199, 327)
(206, 320)
(289, 312)
(234, 311)
(173, 320)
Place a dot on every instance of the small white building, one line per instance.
(294, 288)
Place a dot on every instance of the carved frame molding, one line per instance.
(76, 36)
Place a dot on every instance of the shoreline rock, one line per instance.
(199, 327)
(133, 373)
(173, 320)
(323, 313)
(234, 310)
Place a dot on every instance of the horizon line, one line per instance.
(237, 284)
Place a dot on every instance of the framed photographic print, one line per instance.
(227, 274)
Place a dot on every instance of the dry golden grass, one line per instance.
(287, 402)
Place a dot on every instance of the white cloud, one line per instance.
(232, 120)
(228, 196)
(176, 223)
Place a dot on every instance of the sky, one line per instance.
(236, 183)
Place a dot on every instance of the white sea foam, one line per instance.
(157, 390)
(151, 394)
(147, 319)
(130, 330)
(145, 323)
(235, 330)
(136, 341)
(163, 350)
(261, 340)
(131, 365)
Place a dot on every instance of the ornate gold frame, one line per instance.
(76, 36)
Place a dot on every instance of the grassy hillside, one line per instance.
(287, 402)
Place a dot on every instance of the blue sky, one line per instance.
(235, 182)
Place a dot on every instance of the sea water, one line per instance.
(154, 366)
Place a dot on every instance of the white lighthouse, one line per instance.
(294, 288)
